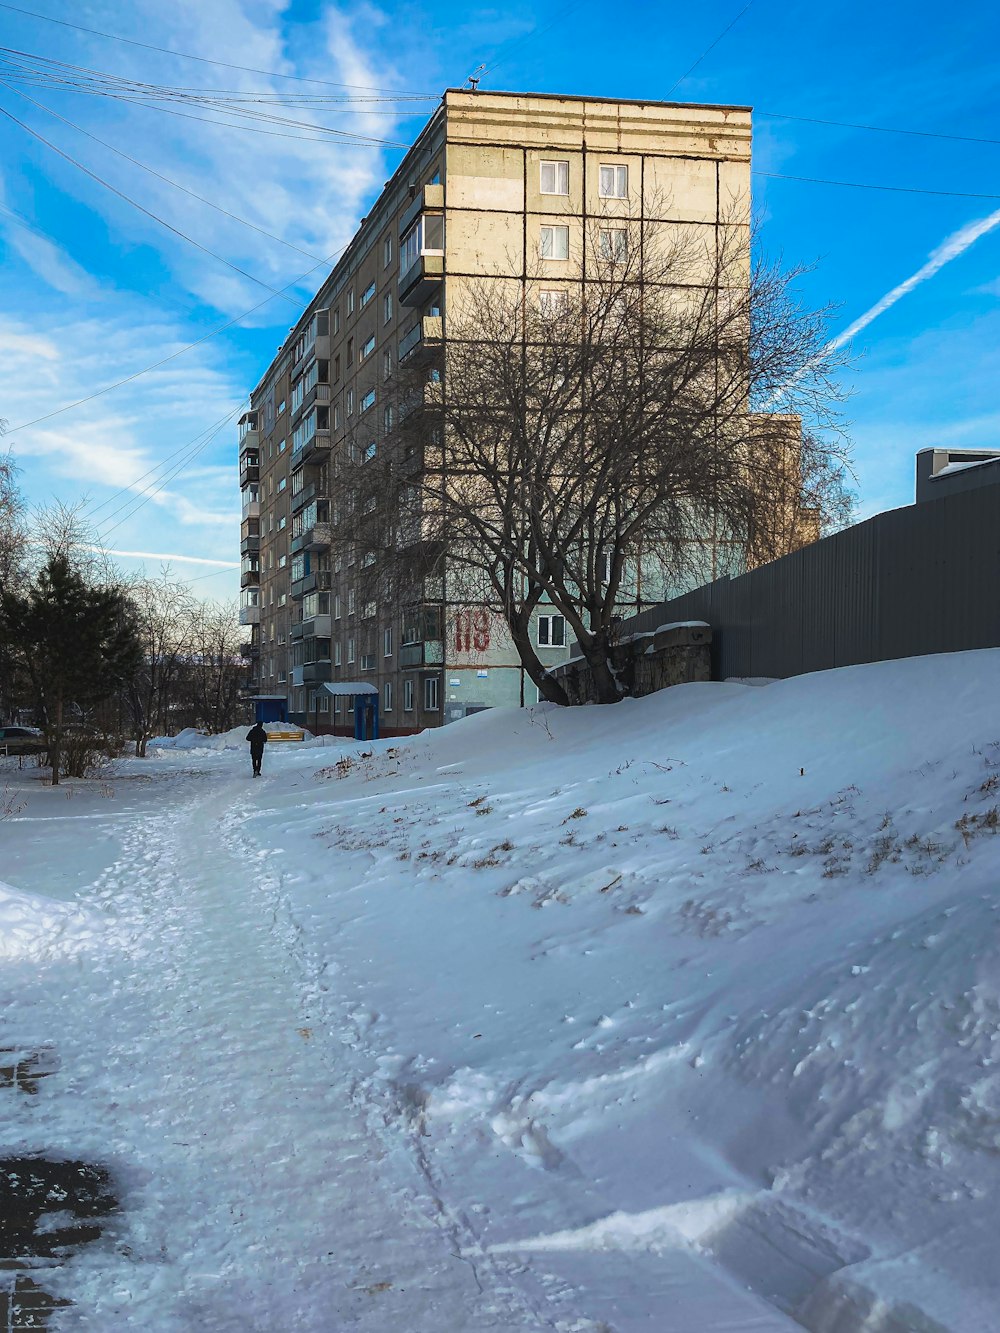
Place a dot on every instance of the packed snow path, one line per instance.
(262, 1185)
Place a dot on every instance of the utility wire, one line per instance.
(878, 129)
(142, 209)
(186, 55)
(861, 185)
(732, 24)
(155, 491)
(176, 184)
(130, 487)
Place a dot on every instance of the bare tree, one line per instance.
(590, 443)
(216, 673)
(165, 616)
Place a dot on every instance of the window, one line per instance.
(387, 307)
(281, 446)
(613, 182)
(324, 701)
(369, 453)
(336, 606)
(282, 560)
(551, 632)
(408, 695)
(553, 177)
(432, 694)
(337, 653)
(369, 611)
(350, 303)
(387, 697)
(555, 243)
(553, 304)
(367, 560)
(349, 402)
(336, 321)
(282, 483)
(387, 642)
(367, 294)
(281, 407)
(387, 251)
(368, 400)
(349, 353)
(386, 363)
(612, 244)
(350, 599)
(336, 703)
(387, 417)
(367, 347)
(367, 661)
(426, 236)
(350, 650)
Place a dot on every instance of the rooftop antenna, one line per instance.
(472, 82)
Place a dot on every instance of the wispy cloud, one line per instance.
(167, 557)
(956, 244)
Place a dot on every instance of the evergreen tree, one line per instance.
(76, 642)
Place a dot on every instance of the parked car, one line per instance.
(22, 740)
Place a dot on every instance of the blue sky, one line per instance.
(94, 290)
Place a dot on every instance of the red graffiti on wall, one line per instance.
(472, 631)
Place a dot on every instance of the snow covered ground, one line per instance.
(680, 1016)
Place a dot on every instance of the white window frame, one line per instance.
(557, 170)
(544, 627)
(387, 251)
(408, 694)
(387, 697)
(338, 653)
(547, 242)
(387, 307)
(367, 347)
(387, 641)
(612, 245)
(432, 694)
(612, 178)
(552, 304)
(350, 650)
(368, 294)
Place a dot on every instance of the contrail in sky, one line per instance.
(159, 555)
(949, 249)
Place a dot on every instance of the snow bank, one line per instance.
(32, 927)
(236, 739)
(718, 944)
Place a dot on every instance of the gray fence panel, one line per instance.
(924, 579)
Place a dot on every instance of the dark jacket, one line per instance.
(257, 737)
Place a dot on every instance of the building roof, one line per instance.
(350, 687)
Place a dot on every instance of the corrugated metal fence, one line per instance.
(924, 579)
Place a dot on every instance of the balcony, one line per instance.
(316, 627)
(315, 672)
(316, 448)
(422, 279)
(316, 538)
(249, 650)
(296, 677)
(248, 431)
(249, 472)
(422, 342)
(251, 508)
(250, 545)
(301, 498)
(319, 393)
(250, 577)
(249, 615)
(316, 581)
(429, 653)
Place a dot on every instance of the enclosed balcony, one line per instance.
(421, 259)
(316, 672)
(251, 501)
(250, 606)
(249, 467)
(248, 431)
(250, 572)
(250, 544)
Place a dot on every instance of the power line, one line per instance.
(186, 55)
(170, 476)
(130, 488)
(141, 208)
(166, 179)
(732, 24)
(860, 185)
(878, 129)
(99, 84)
(532, 33)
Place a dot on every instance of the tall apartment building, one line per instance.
(495, 184)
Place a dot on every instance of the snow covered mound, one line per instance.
(236, 739)
(722, 964)
(38, 928)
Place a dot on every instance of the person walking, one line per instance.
(257, 737)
